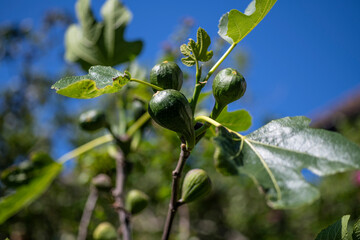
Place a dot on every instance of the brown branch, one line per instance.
(173, 206)
(118, 194)
(88, 210)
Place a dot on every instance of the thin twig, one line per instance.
(118, 194)
(88, 210)
(173, 206)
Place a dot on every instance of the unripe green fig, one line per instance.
(171, 110)
(196, 185)
(167, 75)
(102, 182)
(136, 201)
(228, 86)
(92, 120)
(105, 231)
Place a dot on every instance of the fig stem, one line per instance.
(146, 83)
(88, 210)
(217, 64)
(118, 194)
(174, 204)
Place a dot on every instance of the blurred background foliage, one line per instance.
(33, 118)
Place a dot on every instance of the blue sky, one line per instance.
(304, 56)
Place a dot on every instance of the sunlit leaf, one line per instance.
(239, 120)
(100, 80)
(234, 25)
(274, 156)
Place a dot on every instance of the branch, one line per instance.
(88, 210)
(173, 206)
(118, 194)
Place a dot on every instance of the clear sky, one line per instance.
(304, 56)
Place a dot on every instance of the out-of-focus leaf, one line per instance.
(100, 43)
(197, 51)
(274, 155)
(356, 230)
(234, 25)
(336, 231)
(203, 96)
(27, 193)
(100, 80)
(239, 120)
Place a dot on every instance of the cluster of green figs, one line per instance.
(171, 110)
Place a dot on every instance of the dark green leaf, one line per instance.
(275, 154)
(227, 155)
(237, 121)
(26, 194)
(100, 43)
(197, 51)
(100, 80)
(336, 231)
(234, 25)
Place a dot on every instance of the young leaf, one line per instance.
(336, 231)
(100, 43)
(239, 120)
(234, 25)
(100, 80)
(275, 154)
(26, 194)
(197, 51)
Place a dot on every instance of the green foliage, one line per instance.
(27, 193)
(197, 51)
(238, 121)
(99, 81)
(275, 154)
(234, 25)
(336, 231)
(100, 43)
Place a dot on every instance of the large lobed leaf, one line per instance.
(100, 80)
(274, 155)
(234, 25)
(100, 43)
(41, 178)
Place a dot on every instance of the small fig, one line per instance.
(196, 185)
(167, 75)
(136, 201)
(228, 86)
(171, 110)
(92, 120)
(105, 231)
(102, 182)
